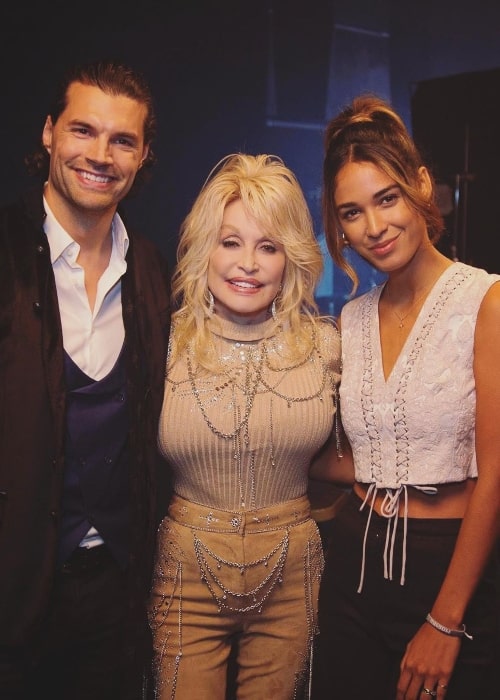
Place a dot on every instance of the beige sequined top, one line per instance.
(244, 438)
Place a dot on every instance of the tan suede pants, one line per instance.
(220, 576)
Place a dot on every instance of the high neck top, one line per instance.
(243, 332)
(243, 437)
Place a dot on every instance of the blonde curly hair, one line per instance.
(271, 194)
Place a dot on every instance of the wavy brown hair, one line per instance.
(369, 130)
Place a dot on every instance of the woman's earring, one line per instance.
(211, 303)
(274, 312)
(345, 242)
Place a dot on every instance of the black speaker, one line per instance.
(456, 126)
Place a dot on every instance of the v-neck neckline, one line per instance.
(415, 330)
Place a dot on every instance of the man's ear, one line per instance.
(47, 134)
(145, 153)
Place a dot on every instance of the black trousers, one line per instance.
(84, 651)
(363, 636)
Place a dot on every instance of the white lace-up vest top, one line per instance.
(417, 427)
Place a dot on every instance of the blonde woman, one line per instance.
(250, 397)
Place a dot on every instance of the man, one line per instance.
(84, 320)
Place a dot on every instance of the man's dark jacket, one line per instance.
(32, 414)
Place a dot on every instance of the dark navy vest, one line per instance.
(96, 484)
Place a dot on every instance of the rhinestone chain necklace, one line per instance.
(253, 381)
(249, 390)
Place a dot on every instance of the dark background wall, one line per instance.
(265, 76)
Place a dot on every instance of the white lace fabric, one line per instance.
(417, 427)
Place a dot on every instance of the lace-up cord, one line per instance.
(390, 510)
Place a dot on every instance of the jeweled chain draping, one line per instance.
(254, 358)
(313, 565)
(244, 366)
(160, 611)
(253, 599)
(249, 391)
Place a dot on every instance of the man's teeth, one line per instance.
(96, 178)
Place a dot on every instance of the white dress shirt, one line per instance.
(92, 338)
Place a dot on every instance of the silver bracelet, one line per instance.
(446, 630)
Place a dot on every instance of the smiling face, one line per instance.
(375, 218)
(96, 147)
(245, 269)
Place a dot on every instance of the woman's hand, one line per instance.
(427, 665)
